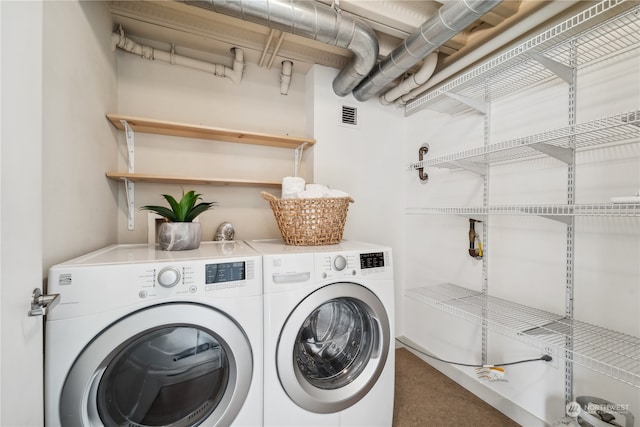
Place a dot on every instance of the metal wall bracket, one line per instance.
(297, 158)
(129, 188)
(560, 218)
(480, 169)
(479, 106)
(128, 184)
(40, 303)
(563, 154)
(562, 71)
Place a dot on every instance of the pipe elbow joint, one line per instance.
(365, 48)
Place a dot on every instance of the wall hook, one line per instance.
(473, 237)
(424, 149)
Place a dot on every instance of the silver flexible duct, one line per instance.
(312, 20)
(451, 19)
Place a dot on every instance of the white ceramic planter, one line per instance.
(179, 236)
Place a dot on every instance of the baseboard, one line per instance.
(493, 398)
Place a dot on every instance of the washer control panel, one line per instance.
(196, 278)
(121, 275)
(168, 277)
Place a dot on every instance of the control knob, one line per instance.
(339, 263)
(168, 277)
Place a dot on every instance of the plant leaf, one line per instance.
(172, 202)
(185, 210)
(198, 209)
(162, 211)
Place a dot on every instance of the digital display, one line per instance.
(372, 260)
(224, 272)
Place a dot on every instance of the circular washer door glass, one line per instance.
(335, 343)
(172, 376)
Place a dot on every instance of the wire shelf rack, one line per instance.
(550, 211)
(599, 31)
(608, 352)
(619, 128)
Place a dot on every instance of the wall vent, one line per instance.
(349, 116)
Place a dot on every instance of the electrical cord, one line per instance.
(545, 358)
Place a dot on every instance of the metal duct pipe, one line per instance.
(451, 19)
(312, 20)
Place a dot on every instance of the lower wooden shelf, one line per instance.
(164, 179)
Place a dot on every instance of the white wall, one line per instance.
(526, 255)
(162, 91)
(79, 85)
(365, 161)
(20, 212)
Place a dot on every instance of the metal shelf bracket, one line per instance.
(562, 71)
(479, 106)
(129, 186)
(563, 154)
(297, 158)
(477, 168)
(560, 218)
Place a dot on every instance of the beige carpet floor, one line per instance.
(426, 397)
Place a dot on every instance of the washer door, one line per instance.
(167, 365)
(333, 347)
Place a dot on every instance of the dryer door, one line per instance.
(167, 365)
(333, 347)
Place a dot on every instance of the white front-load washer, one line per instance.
(144, 337)
(328, 331)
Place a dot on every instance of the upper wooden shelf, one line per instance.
(163, 127)
(166, 179)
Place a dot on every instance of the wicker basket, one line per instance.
(310, 222)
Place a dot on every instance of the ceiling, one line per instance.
(199, 30)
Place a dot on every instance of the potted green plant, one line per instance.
(179, 232)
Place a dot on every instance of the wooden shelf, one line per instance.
(163, 127)
(164, 179)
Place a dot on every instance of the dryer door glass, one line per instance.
(169, 376)
(335, 343)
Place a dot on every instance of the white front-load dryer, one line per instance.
(328, 331)
(144, 337)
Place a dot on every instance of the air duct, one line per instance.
(451, 19)
(312, 20)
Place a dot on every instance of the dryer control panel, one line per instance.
(345, 265)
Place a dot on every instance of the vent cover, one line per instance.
(349, 116)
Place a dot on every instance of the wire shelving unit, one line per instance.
(558, 143)
(608, 352)
(609, 27)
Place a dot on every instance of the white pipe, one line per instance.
(147, 52)
(285, 77)
(417, 79)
